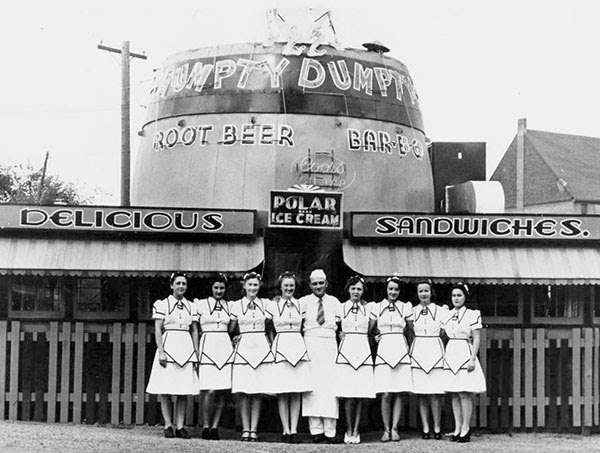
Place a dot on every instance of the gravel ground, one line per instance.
(63, 438)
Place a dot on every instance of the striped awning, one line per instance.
(478, 264)
(36, 256)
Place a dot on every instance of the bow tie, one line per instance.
(179, 304)
(424, 311)
(288, 303)
(251, 306)
(354, 308)
(218, 306)
(391, 306)
(455, 316)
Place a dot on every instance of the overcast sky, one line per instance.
(478, 66)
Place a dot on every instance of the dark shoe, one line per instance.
(294, 439)
(331, 440)
(214, 434)
(253, 436)
(466, 438)
(245, 436)
(169, 433)
(437, 436)
(318, 438)
(454, 437)
(425, 435)
(285, 438)
(205, 433)
(182, 433)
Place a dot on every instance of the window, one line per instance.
(145, 292)
(101, 298)
(36, 297)
(499, 304)
(558, 304)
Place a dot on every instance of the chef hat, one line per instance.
(318, 274)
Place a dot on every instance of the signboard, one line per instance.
(127, 220)
(399, 226)
(291, 209)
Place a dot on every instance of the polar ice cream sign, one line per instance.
(293, 209)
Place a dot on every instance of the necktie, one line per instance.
(320, 313)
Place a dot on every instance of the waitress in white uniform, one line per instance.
(393, 374)
(427, 354)
(291, 369)
(216, 355)
(354, 370)
(252, 364)
(173, 370)
(463, 376)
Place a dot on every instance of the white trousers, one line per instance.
(322, 425)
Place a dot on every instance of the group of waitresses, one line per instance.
(311, 351)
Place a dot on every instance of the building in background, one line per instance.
(560, 173)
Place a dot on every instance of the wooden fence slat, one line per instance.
(495, 384)
(596, 376)
(40, 374)
(116, 373)
(483, 361)
(65, 377)
(528, 378)
(588, 368)
(540, 373)
(52, 370)
(26, 353)
(78, 373)
(91, 378)
(564, 390)
(505, 378)
(3, 346)
(553, 382)
(128, 374)
(576, 395)
(517, 378)
(13, 385)
(140, 385)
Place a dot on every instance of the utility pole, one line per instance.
(41, 186)
(125, 120)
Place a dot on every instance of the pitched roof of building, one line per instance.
(557, 167)
(574, 159)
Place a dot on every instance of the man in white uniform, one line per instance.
(321, 405)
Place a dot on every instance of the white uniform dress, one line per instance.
(291, 370)
(216, 350)
(354, 371)
(427, 349)
(253, 359)
(178, 377)
(393, 372)
(459, 327)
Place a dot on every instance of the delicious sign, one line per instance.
(127, 220)
(506, 227)
(306, 210)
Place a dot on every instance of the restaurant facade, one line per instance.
(291, 156)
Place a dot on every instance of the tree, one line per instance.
(19, 184)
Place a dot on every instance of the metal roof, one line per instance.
(478, 264)
(36, 256)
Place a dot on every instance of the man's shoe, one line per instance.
(318, 438)
(182, 433)
(331, 440)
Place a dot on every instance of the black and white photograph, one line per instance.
(299, 226)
